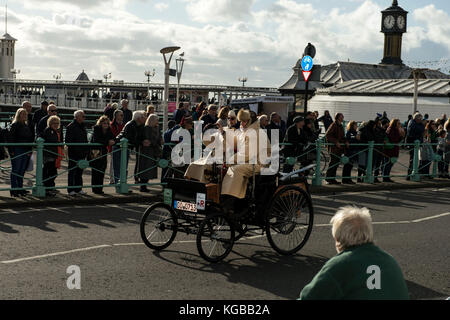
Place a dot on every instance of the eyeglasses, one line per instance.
(231, 118)
(54, 110)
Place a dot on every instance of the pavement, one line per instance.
(39, 244)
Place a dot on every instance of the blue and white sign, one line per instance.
(307, 63)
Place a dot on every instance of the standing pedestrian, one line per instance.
(42, 112)
(442, 146)
(52, 154)
(295, 142)
(76, 133)
(150, 153)
(20, 155)
(326, 120)
(415, 132)
(378, 156)
(335, 136)
(51, 111)
(394, 135)
(116, 127)
(127, 114)
(28, 106)
(98, 155)
(351, 152)
(131, 131)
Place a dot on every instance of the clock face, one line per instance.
(401, 22)
(389, 22)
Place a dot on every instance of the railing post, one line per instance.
(123, 166)
(39, 189)
(317, 181)
(435, 166)
(415, 172)
(369, 171)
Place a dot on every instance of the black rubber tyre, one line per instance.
(159, 226)
(215, 237)
(285, 233)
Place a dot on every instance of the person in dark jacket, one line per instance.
(310, 136)
(149, 155)
(335, 135)
(39, 114)
(109, 110)
(98, 155)
(52, 154)
(29, 107)
(350, 152)
(167, 149)
(211, 117)
(326, 119)
(378, 156)
(179, 113)
(366, 133)
(415, 131)
(76, 133)
(296, 140)
(132, 132)
(276, 123)
(51, 111)
(19, 133)
(395, 135)
(127, 114)
(3, 139)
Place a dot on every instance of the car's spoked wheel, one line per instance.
(215, 237)
(158, 226)
(289, 220)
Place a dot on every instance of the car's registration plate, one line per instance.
(185, 206)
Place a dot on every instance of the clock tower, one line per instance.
(393, 25)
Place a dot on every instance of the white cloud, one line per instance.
(261, 45)
(208, 11)
(437, 25)
(161, 6)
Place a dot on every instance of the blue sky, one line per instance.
(222, 39)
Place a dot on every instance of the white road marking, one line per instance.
(193, 241)
(55, 254)
(432, 217)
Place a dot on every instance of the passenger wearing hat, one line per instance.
(296, 138)
(42, 112)
(234, 184)
(211, 117)
(232, 123)
(236, 179)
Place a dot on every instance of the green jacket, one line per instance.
(362, 272)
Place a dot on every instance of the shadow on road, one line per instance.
(283, 276)
(416, 291)
(75, 218)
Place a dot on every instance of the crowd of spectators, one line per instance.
(297, 135)
(387, 135)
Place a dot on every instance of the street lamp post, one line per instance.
(164, 52)
(180, 65)
(243, 80)
(107, 76)
(57, 77)
(15, 72)
(149, 74)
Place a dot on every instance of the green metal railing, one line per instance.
(317, 151)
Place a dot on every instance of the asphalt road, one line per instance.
(38, 245)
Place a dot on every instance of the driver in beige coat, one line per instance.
(236, 179)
